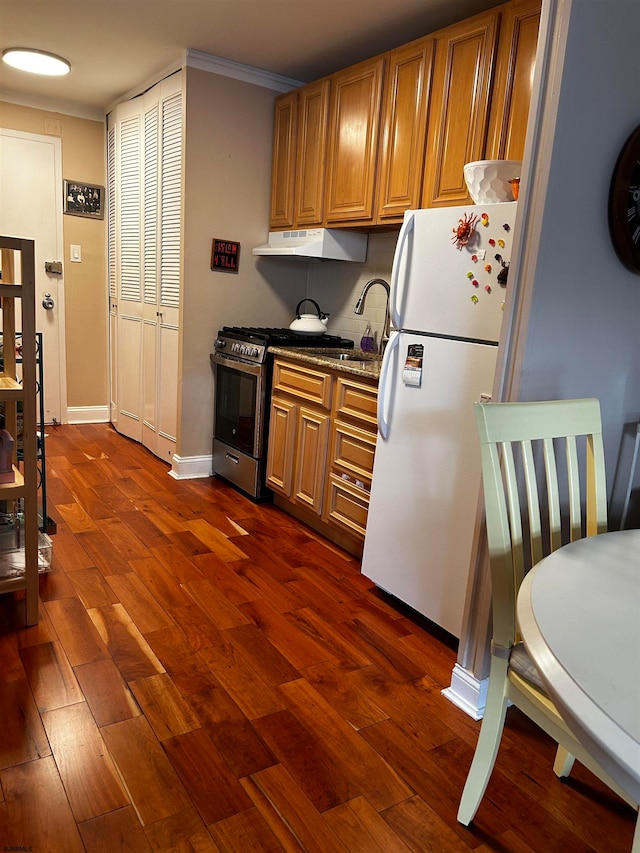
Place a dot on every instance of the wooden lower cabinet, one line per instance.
(299, 433)
(311, 455)
(322, 438)
(282, 444)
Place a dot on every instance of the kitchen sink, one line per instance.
(358, 356)
(346, 355)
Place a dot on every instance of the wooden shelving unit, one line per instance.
(17, 292)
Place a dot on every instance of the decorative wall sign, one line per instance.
(82, 199)
(225, 255)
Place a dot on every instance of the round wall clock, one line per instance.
(624, 204)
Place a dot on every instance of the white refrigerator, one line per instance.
(448, 288)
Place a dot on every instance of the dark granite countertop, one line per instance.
(358, 363)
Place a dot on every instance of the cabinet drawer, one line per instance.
(357, 400)
(348, 505)
(352, 450)
(300, 381)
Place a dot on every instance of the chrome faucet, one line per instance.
(359, 309)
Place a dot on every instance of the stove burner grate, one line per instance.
(283, 337)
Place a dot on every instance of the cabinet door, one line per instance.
(459, 107)
(354, 121)
(281, 446)
(313, 111)
(311, 458)
(513, 80)
(404, 129)
(285, 124)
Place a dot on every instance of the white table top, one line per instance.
(579, 616)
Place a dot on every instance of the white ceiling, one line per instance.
(115, 45)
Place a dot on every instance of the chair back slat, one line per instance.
(553, 497)
(500, 535)
(509, 470)
(533, 503)
(530, 509)
(596, 488)
(573, 483)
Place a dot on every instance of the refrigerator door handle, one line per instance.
(384, 390)
(397, 291)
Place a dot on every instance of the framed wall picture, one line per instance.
(81, 199)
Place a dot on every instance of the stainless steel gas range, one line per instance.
(242, 376)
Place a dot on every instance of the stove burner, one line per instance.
(282, 337)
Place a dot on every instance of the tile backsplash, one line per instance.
(336, 286)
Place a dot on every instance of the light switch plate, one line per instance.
(76, 253)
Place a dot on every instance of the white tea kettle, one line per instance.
(309, 324)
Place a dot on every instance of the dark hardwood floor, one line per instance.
(208, 674)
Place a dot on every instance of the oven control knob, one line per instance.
(218, 344)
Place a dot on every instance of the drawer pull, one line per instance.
(232, 458)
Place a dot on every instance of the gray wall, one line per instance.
(580, 308)
(229, 124)
(583, 332)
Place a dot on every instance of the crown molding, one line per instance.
(226, 68)
(53, 105)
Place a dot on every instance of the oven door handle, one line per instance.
(237, 364)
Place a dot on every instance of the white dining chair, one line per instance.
(544, 483)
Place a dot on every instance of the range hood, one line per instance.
(328, 244)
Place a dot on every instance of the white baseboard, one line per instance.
(467, 692)
(191, 467)
(88, 415)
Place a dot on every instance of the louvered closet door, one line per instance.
(161, 292)
(144, 277)
(112, 273)
(128, 281)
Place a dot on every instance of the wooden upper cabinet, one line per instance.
(404, 129)
(459, 115)
(354, 123)
(313, 111)
(513, 80)
(285, 123)
(394, 132)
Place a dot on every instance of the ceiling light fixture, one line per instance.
(36, 61)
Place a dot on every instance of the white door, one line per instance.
(31, 207)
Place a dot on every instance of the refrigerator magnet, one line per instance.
(412, 370)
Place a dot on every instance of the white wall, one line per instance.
(336, 286)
